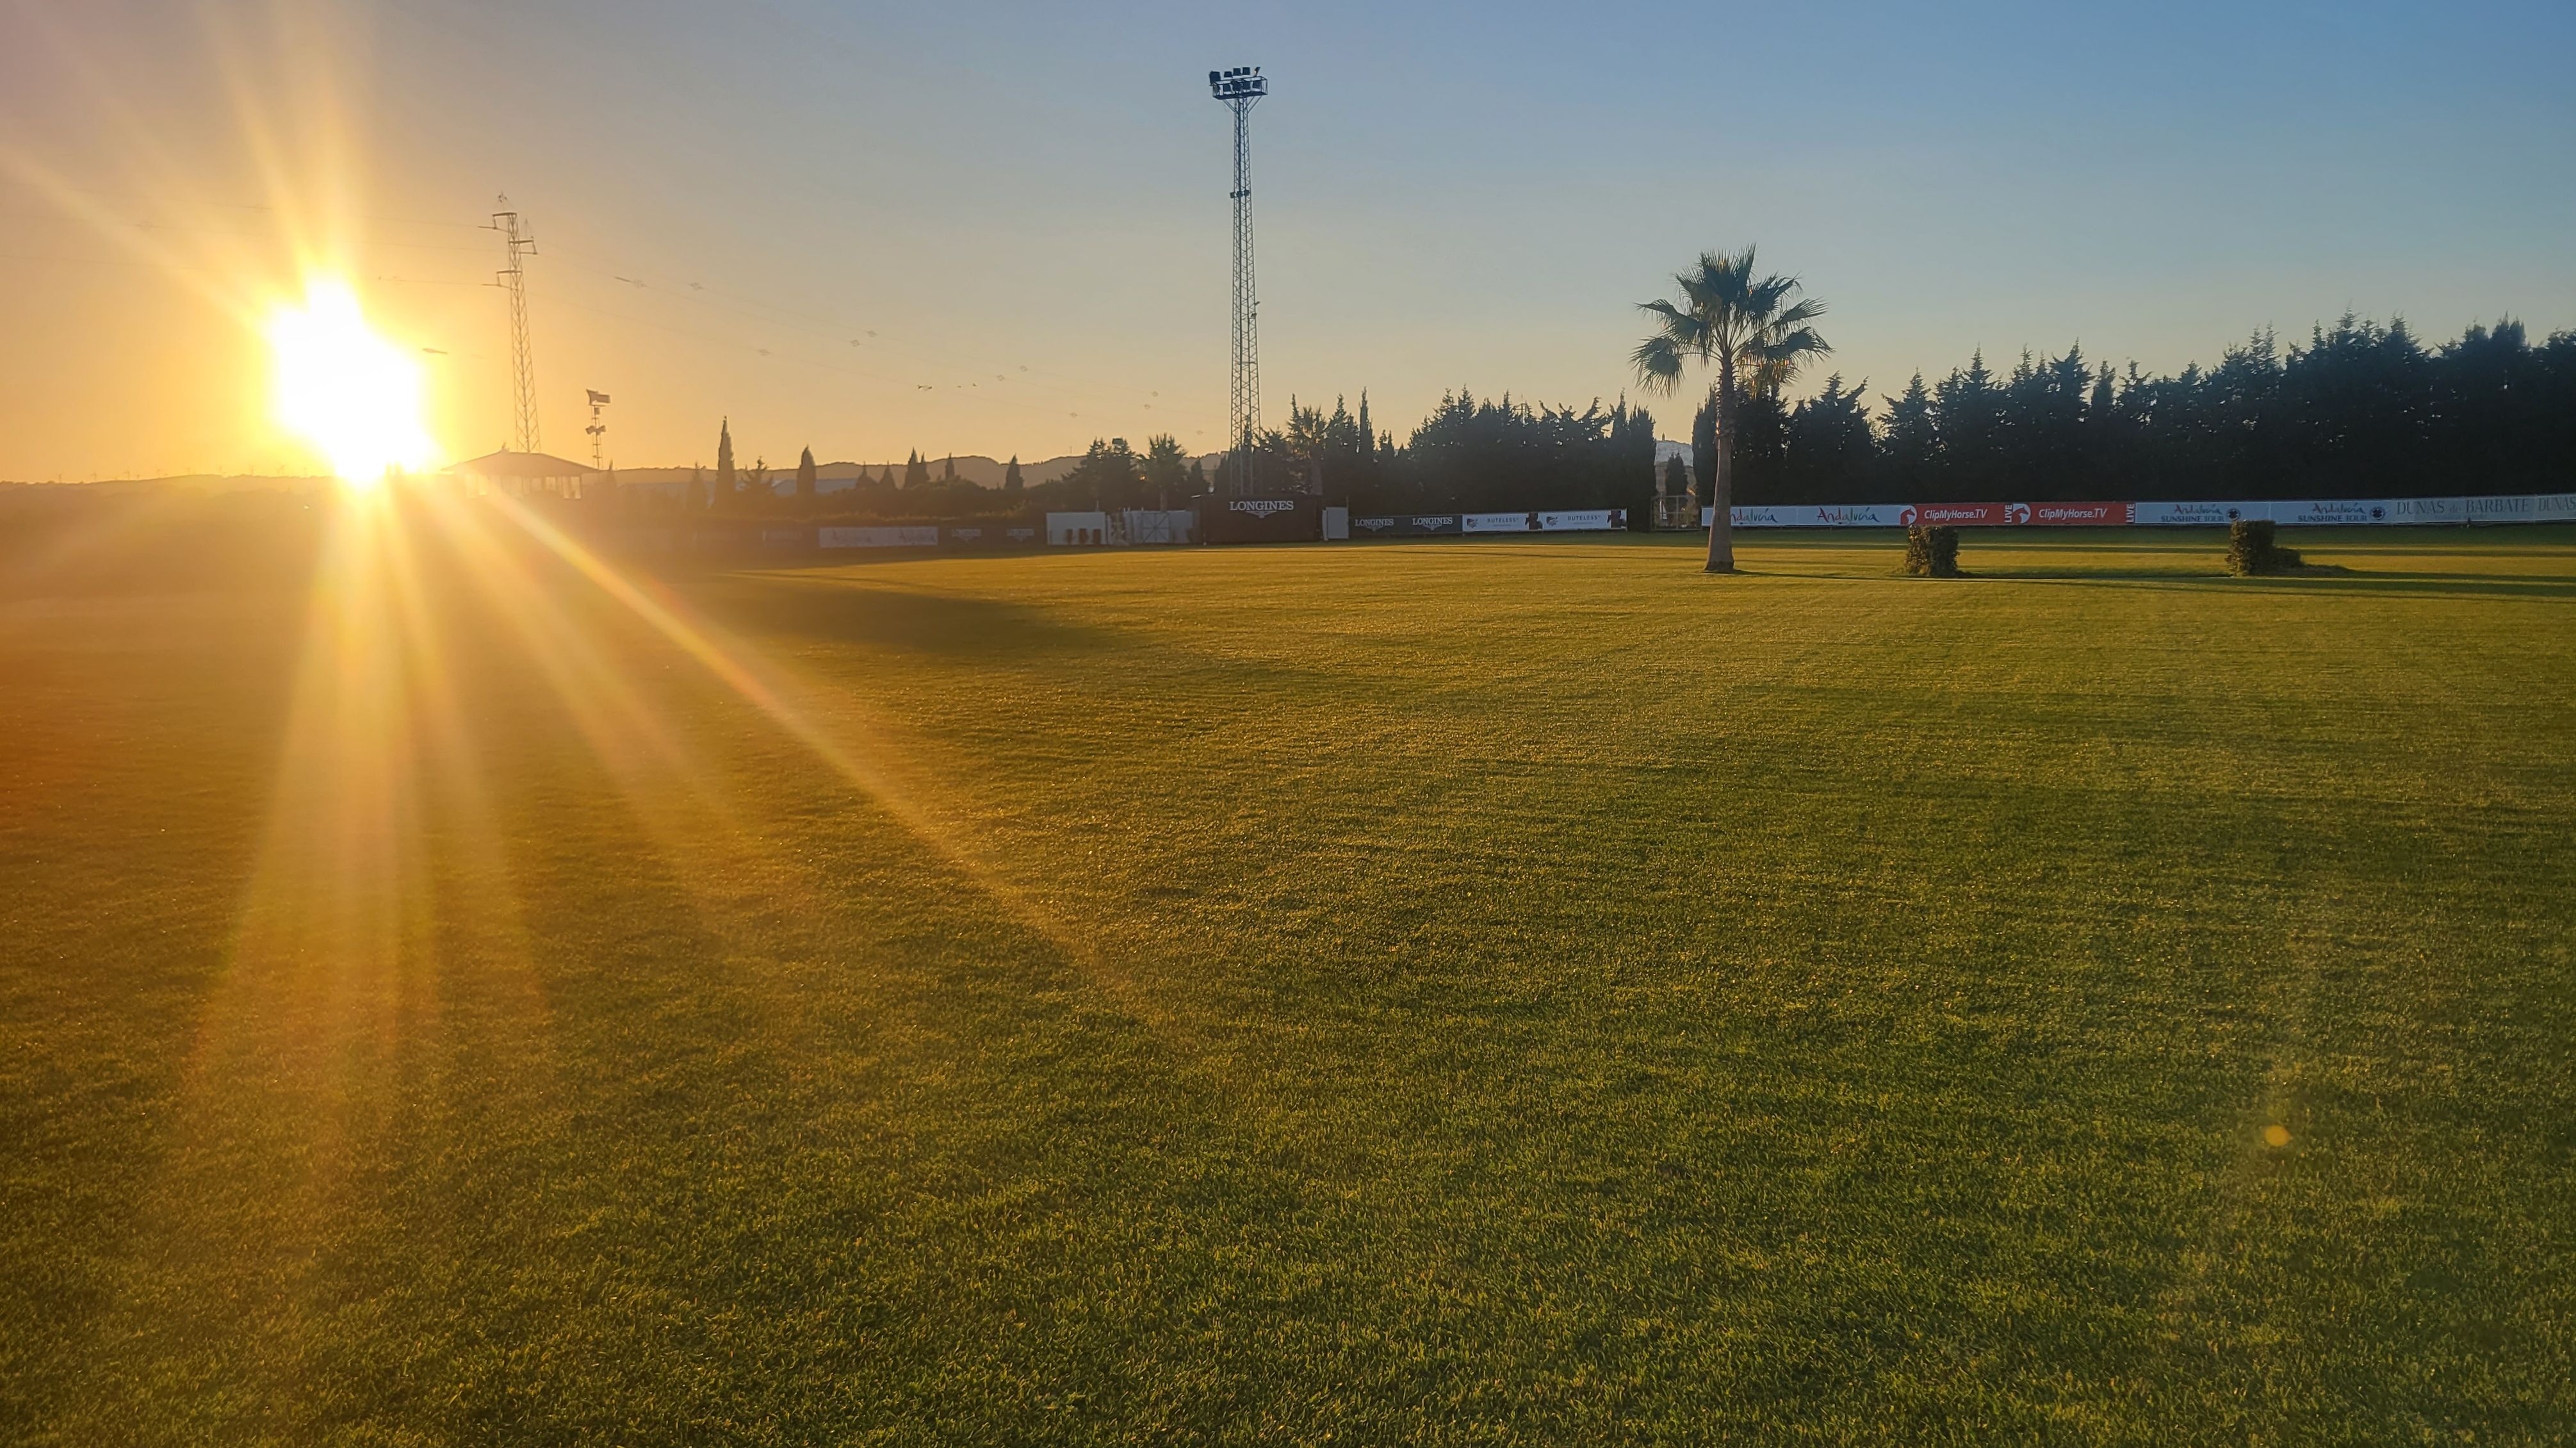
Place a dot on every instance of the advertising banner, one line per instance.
(786, 538)
(1501, 522)
(1431, 525)
(2428, 510)
(2194, 515)
(990, 535)
(2330, 514)
(1295, 519)
(1601, 520)
(908, 536)
(1811, 515)
(2074, 515)
(2548, 508)
(1382, 526)
(1955, 515)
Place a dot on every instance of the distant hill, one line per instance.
(831, 477)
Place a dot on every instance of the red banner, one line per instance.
(2074, 515)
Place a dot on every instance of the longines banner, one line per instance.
(1295, 519)
(1405, 525)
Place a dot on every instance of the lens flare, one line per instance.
(350, 393)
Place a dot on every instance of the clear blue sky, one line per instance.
(1447, 196)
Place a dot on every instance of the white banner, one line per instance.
(2315, 514)
(1597, 520)
(922, 536)
(1814, 515)
(2428, 510)
(2195, 515)
(2552, 508)
(1498, 523)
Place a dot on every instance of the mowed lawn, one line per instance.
(1467, 992)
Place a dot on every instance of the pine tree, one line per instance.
(1011, 482)
(1912, 446)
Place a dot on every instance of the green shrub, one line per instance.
(1932, 552)
(2250, 549)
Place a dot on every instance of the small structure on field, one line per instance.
(1932, 551)
(2250, 549)
(523, 474)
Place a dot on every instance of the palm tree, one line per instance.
(1754, 331)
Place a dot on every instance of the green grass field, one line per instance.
(1468, 992)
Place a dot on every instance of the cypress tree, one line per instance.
(1704, 451)
(916, 473)
(1011, 482)
(805, 474)
(725, 481)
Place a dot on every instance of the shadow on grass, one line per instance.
(868, 612)
(2452, 585)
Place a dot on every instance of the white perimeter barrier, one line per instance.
(2401, 512)
(1590, 520)
(924, 535)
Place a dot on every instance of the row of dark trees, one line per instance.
(1470, 455)
(752, 491)
(2360, 410)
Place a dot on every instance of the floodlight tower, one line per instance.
(598, 428)
(513, 279)
(1241, 89)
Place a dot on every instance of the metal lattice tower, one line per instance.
(513, 279)
(1240, 89)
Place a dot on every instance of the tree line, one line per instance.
(2359, 410)
(1471, 455)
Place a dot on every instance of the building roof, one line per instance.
(508, 464)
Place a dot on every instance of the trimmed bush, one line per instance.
(1932, 552)
(2250, 549)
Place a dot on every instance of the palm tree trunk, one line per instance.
(1721, 484)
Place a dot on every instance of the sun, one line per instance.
(350, 393)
